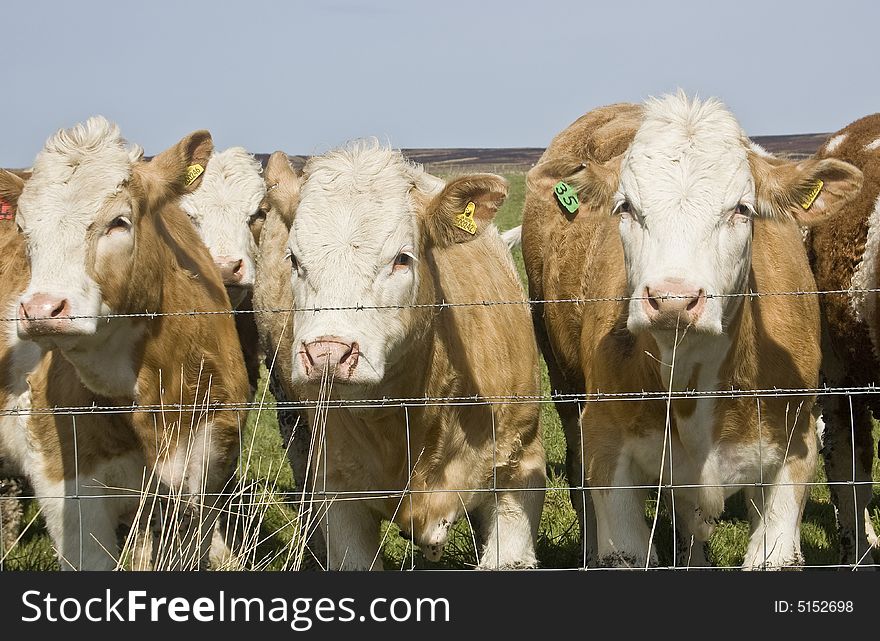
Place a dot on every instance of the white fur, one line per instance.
(83, 529)
(834, 143)
(513, 237)
(356, 214)
(685, 172)
(221, 208)
(105, 361)
(76, 177)
(864, 304)
(874, 144)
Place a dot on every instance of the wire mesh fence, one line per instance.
(265, 519)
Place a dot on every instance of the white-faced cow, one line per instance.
(374, 242)
(104, 246)
(845, 253)
(679, 219)
(226, 210)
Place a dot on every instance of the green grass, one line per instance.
(263, 462)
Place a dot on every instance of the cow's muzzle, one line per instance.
(329, 355)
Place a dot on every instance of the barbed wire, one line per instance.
(443, 304)
(429, 401)
(294, 497)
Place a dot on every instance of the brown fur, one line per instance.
(836, 250)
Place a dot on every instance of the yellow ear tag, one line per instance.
(814, 193)
(465, 220)
(193, 172)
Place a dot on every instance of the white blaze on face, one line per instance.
(224, 208)
(685, 199)
(354, 242)
(74, 194)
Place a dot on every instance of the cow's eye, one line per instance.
(294, 263)
(404, 259)
(742, 213)
(257, 216)
(623, 207)
(118, 224)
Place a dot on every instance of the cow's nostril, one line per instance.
(651, 300)
(60, 309)
(238, 269)
(22, 311)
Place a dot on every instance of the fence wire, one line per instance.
(247, 507)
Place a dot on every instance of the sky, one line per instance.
(307, 76)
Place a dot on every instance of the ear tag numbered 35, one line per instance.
(567, 196)
(465, 220)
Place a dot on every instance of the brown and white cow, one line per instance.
(226, 210)
(105, 243)
(679, 218)
(373, 244)
(845, 254)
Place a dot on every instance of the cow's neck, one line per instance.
(693, 363)
(108, 363)
(702, 363)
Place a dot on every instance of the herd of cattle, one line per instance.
(670, 261)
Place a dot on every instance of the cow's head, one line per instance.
(358, 251)
(226, 211)
(685, 194)
(80, 213)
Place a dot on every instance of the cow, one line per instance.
(377, 246)
(845, 254)
(668, 219)
(118, 305)
(226, 210)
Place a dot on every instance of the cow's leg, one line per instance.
(690, 542)
(623, 535)
(849, 472)
(569, 416)
(352, 534)
(776, 509)
(509, 523)
(83, 530)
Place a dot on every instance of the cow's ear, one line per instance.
(464, 208)
(809, 191)
(282, 187)
(11, 186)
(574, 183)
(177, 170)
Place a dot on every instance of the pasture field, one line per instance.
(264, 466)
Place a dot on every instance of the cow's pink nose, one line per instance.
(232, 270)
(43, 314)
(330, 353)
(670, 304)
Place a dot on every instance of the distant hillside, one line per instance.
(522, 158)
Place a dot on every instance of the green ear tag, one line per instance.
(465, 220)
(814, 193)
(193, 172)
(567, 196)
